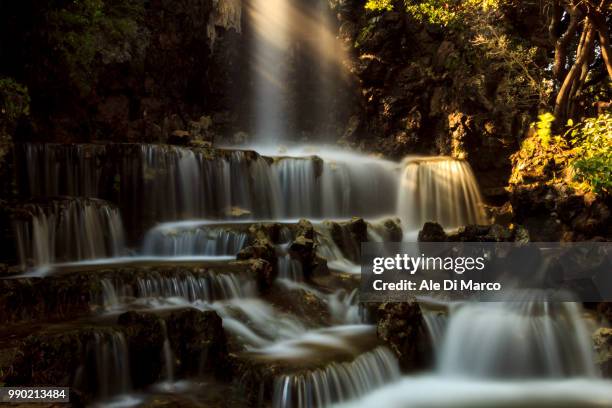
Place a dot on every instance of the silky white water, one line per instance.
(68, 230)
(511, 354)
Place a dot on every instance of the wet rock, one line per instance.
(489, 233)
(602, 341)
(432, 232)
(72, 354)
(303, 249)
(144, 332)
(198, 342)
(402, 327)
(502, 215)
(240, 138)
(553, 212)
(349, 235)
(394, 230)
(62, 358)
(604, 310)
(23, 300)
(180, 138)
(312, 309)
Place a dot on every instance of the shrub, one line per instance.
(592, 164)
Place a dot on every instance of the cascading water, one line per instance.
(167, 183)
(438, 189)
(152, 287)
(69, 230)
(111, 364)
(506, 354)
(193, 238)
(529, 338)
(289, 268)
(336, 382)
(487, 354)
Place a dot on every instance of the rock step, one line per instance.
(78, 290)
(84, 354)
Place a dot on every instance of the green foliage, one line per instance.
(14, 100)
(592, 141)
(364, 34)
(544, 128)
(85, 31)
(379, 5)
(442, 12)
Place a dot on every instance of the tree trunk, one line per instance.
(562, 107)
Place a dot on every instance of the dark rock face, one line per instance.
(151, 68)
(64, 355)
(433, 232)
(557, 212)
(23, 300)
(402, 328)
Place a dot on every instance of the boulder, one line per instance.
(432, 232)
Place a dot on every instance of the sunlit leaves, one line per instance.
(592, 140)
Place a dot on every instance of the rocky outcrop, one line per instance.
(74, 356)
(402, 328)
(602, 340)
(303, 249)
(142, 71)
(547, 201)
(69, 293)
(432, 91)
(433, 232)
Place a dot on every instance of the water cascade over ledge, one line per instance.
(201, 274)
(439, 189)
(68, 230)
(505, 354)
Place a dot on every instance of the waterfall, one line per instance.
(166, 183)
(111, 360)
(438, 189)
(68, 230)
(194, 238)
(436, 322)
(192, 288)
(513, 354)
(529, 338)
(289, 268)
(155, 289)
(167, 357)
(344, 307)
(257, 323)
(336, 382)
